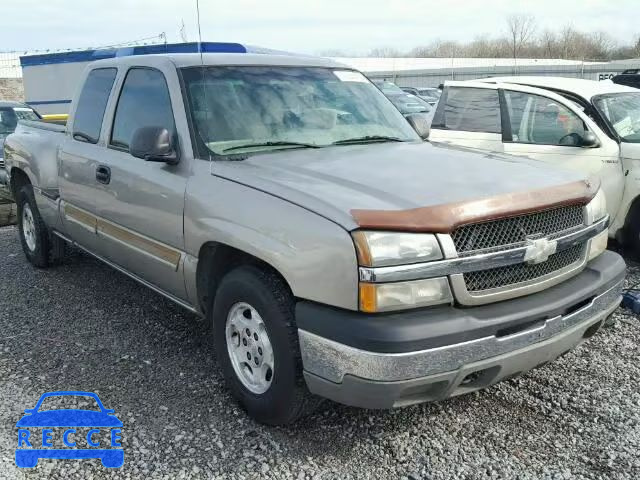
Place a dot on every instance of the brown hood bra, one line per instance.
(447, 217)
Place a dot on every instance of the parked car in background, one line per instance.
(10, 114)
(409, 104)
(631, 78)
(403, 101)
(429, 95)
(582, 125)
(334, 252)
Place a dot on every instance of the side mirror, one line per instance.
(154, 144)
(589, 140)
(420, 123)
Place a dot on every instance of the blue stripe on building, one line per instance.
(91, 55)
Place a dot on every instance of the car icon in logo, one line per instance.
(72, 423)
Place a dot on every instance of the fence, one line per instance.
(470, 69)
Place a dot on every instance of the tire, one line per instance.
(631, 238)
(41, 248)
(286, 398)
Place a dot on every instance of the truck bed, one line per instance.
(41, 125)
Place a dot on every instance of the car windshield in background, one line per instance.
(251, 109)
(408, 103)
(390, 88)
(429, 92)
(622, 110)
(9, 117)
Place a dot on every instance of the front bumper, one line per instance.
(459, 350)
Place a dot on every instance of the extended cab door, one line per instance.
(140, 207)
(468, 116)
(547, 127)
(77, 157)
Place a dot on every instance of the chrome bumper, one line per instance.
(383, 380)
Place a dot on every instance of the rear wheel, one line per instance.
(256, 342)
(40, 247)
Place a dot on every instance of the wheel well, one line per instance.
(634, 210)
(18, 180)
(214, 262)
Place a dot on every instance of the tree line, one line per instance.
(524, 39)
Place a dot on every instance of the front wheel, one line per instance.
(40, 247)
(256, 341)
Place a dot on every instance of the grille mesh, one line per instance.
(522, 272)
(508, 231)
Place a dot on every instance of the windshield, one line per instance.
(408, 103)
(389, 88)
(430, 92)
(272, 107)
(9, 117)
(622, 111)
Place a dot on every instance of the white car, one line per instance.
(584, 125)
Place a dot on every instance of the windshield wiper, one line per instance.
(368, 139)
(271, 144)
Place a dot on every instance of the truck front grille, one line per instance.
(1, 162)
(503, 235)
(493, 235)
(513, 275)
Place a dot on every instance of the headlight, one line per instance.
(383, 297)
(596, 210)
(381, 249)
(389, 249)
(597, 207)
(598, 244)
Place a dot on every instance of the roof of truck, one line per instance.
(587, 89)
(181, 60)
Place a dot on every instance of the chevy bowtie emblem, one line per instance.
(539, 250)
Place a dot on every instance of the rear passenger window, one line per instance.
(144, 102)
(469, 110)
(87, 121)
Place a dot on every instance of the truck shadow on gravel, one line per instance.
(84, 326)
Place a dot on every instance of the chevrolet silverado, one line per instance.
(336, 254)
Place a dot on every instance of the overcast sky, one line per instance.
(306, 26)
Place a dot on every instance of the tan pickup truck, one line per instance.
(337, 255)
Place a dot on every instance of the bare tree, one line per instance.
(183, 32)
(521, 29)
(385, 52)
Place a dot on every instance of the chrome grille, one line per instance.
(522, 272)
(514, 230)
(1, 162)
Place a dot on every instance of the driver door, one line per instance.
(549, 129)
(140, 203)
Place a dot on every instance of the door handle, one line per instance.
(103, 174)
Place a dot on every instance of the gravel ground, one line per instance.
(84, 326)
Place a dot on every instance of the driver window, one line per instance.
(542, 120)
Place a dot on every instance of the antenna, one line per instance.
(204, 87)
(199, 32)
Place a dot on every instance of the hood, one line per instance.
(334, 181)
